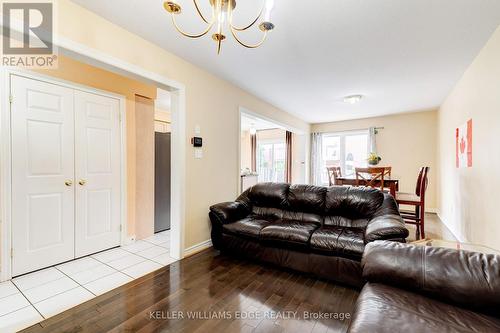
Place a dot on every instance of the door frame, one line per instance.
(242, 111)
(97, 58)
(6, 160)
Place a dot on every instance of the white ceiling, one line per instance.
(403, 55)
(249, 121)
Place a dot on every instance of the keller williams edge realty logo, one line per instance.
(28, 34)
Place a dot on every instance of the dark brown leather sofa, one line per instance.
(319, 230)
(427, 289)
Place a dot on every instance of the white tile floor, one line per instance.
(31, 298)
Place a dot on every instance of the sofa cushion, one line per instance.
(352, 202)
(247, 227)
(340, 221)
(269, 195)
(381, 308)
(306, 198)
(288, 233)
(341, 241)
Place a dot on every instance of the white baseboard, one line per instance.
(431, 210)
(197, 248)
(460, 239)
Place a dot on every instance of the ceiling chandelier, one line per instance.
(222, 11)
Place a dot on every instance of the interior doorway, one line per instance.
(270, 151)
(74, 53)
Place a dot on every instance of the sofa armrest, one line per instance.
(387, 223)
(228, 212)
(464, 278)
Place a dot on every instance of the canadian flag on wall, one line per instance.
(464, 145)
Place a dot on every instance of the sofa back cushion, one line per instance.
(269, 195)
(307, 198)
(351, 203)
(467, 279)
(336, 206)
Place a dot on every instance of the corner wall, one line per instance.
(469, 197)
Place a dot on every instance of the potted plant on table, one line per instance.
(374, 159)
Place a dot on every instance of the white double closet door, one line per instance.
(65, 173)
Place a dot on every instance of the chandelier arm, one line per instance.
(248, 26)
(199, 12)
(203, 33)
(249, 46)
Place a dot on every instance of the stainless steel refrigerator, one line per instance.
(162, 181)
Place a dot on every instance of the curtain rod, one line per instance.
(351, 130)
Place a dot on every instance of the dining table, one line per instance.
(389, 182)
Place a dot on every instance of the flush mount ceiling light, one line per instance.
(222, 10)
(353, 99)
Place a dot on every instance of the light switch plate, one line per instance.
(198, 153)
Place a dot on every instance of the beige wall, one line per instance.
(211, 103)
(78, 72)
(271, 134)
(407, 142)
(145, 167)
(246, 151)
(469, 198)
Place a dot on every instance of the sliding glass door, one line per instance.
(347, 150)
(271, 157)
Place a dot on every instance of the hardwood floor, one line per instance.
(213, 293)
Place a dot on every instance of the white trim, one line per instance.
(5, 172)
(287, 127)
(198, 247)
(459, 238)
(5, 160)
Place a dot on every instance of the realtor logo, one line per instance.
(28, 34)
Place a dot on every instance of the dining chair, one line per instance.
(333, 173)
(370, 177)
(388, 171)
(418, 201)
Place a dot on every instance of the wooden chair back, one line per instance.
(422, 182)
(388, 171)
(371, 177)
(334, 172)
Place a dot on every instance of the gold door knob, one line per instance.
(68, 183)
(82, 182)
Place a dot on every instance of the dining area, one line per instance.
(412, 204)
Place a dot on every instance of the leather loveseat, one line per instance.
(318, 230)
(427, 289)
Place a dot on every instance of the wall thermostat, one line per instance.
(197, 142)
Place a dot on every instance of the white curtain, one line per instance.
(316, 158)
(373, 140)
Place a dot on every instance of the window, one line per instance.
(271, 161)
(345, 149)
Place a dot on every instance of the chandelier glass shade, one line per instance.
(222, 20)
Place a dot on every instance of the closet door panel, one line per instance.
(42, 124)
(97, 171)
